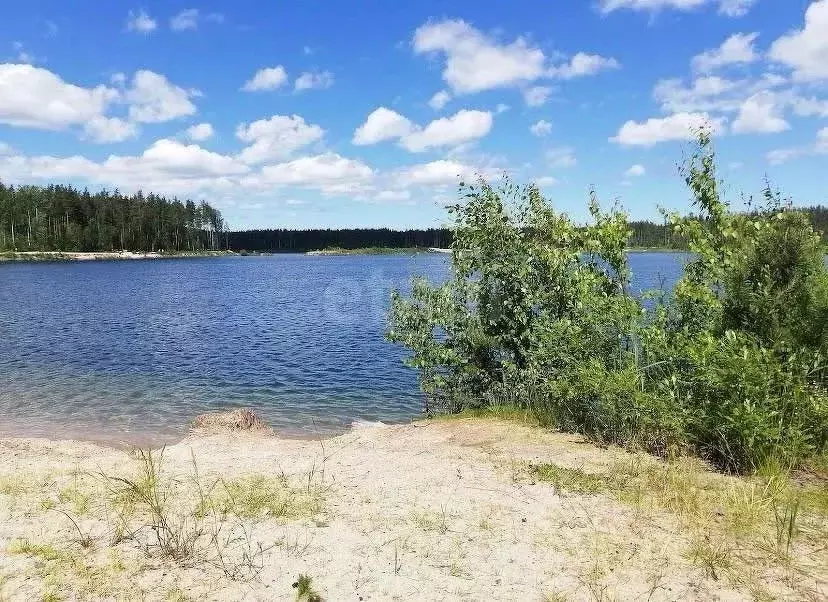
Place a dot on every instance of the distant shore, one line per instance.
(378, 251)
(32, 256)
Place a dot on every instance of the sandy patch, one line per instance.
(427, 511)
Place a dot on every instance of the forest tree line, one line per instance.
(63, 218)
(645, 234)
(300, 241)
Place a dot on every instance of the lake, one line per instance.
(131, 351)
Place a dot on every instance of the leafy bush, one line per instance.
(537, 313)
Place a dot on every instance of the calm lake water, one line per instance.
(131, 351)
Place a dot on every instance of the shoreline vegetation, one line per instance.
(234, 512)
(731, 365)
(377, 251)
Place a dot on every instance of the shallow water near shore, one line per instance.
(130, 352)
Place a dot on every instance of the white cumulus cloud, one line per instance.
(276, 138)
(678, 126)
(200, 132)
(435, 173)
(154, 99)
(37, 98)
(760, 114)
(268, 78)
(582, 65)
(382, 124)
(109, 129)
(329, 172)
(314, 81)
(737, 49)
(475, 61)
(461, 127)
(805, 50)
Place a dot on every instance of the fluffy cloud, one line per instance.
(541, 128)
(758, 105)
(461, 127)
(737, 49)
(109, 129)
(37, 98)
(805, 50)
(276, 138)
(709, 93)
(200, 132)
(536, 96)
(439, 100)
(174, 158)
(731, 8)
(269, 78)
(385, 124)
(140, 22)
(436, 173)
(679, 126)
(382, 124)
(166, 166)
(328, 172)
(636, 171)
(310, 81)
(153, 99)
(475, 61)
(760, 114)
(582, 65)
(172, 167)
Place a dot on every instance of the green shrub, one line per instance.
(537, 314)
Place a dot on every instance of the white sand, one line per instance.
(428, 511)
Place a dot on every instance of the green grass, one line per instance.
(571, 479)
(735, 526)
(259, 496)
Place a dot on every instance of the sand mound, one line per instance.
(242, 419)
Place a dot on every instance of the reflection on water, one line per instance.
(133, 351)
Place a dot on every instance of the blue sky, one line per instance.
(306, 114)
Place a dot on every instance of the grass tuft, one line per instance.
(571, 480)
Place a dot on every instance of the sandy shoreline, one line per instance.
(100, 256)
(430, 510)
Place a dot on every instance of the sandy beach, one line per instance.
(97, 255)
(438, 510)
